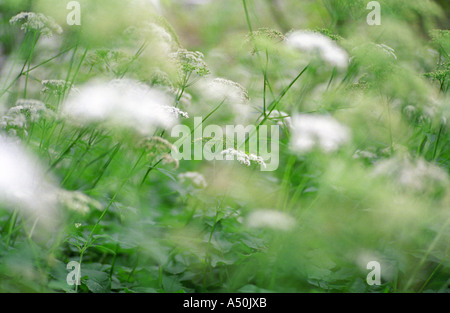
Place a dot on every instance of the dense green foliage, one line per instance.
(138, 220)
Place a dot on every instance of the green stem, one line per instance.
(12, 223)
(437, 142)
(424, 258)
(91, 234)
(30, 57)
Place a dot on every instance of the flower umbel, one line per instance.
(324, 132)
(243, 157)
(273, 219)
(328, 50)
(31, 21)
(125, 103)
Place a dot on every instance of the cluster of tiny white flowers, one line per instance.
(77, 201)
(230, 92)
(190, 61)
(310, 131)
(54, 86)
(328, 50)
(25, 110)
(37, 22)
(159, 36)
(160, 32)
(243, 157)
(176, 111)
(122, 102)
(196, 178)
(417, 174)
(227, 88)
(273, 219)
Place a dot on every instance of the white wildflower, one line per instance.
(190, 61)
(410, 110)
(162, 38)
(31, 21)
(77, 225)
(315, 42)
(364, 154)
(196, 178)
(23, 183)
(160, 148)
(243, 157)
(224, 88)
(160, 32)
(310, 131)
(417, 174)
(221, 89)
(122, 102)
(54, 86)
(25, 110)
(176, 111)
(231, 93)
(77, 201)
(270, 219)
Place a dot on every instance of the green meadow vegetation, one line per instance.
(90, 92)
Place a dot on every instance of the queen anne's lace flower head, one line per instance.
(273, 219)
(190, 61)
(125, 103)
(197, 179)
(24, 112)
(77, 201)
(54, 86)
(328, 50)
(320, 131)
(176, 111)
(226, 88)
(418, 175)
(31, 21)
(232, 93)
(243, 157)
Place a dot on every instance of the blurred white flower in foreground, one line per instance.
(197, 179)
(23, 183)
(124, 103)
(309, 41)
(270, 219)
(323, 131)
(418, 174)
(243, 157)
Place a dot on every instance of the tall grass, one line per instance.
(86, 172)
